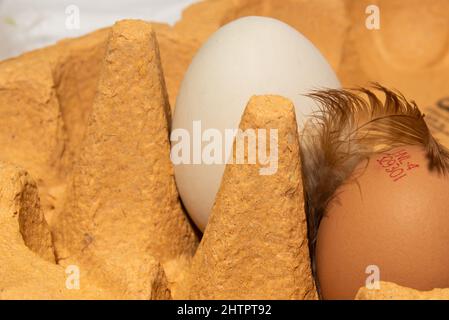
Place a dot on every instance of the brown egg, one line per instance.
(391, 217)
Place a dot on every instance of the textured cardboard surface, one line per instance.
(255, 245)
(409, 52)
(20, 211)
(26, 253)
(122, 204)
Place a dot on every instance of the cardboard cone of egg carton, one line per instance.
(27, 263)
(255, 245)
(78, 68)
(20, 212)
(122, 209)
(392, 291)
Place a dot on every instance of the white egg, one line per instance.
(249, 56)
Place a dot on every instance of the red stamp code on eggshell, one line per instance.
(397, 164)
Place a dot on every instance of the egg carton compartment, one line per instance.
(84, 131)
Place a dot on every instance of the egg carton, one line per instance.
(97, 174)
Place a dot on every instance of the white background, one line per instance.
(31, 24)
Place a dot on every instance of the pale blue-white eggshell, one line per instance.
(249, 56)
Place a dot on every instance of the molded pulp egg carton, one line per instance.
(84, 187)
